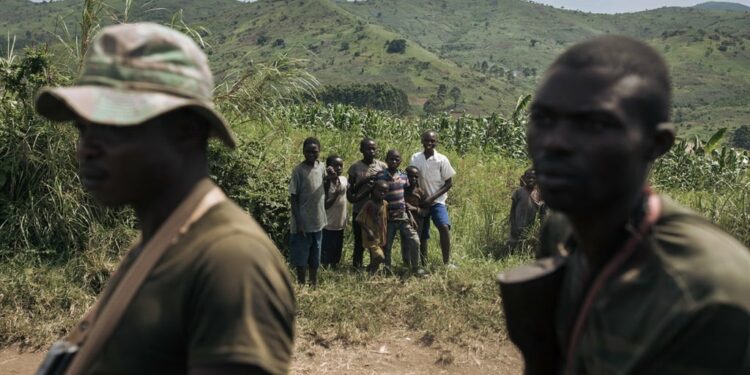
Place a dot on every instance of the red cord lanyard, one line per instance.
(652, 215)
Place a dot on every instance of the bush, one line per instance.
(396, 46)
(42, 205)
(255, 183)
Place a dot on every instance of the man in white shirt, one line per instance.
(436, 178)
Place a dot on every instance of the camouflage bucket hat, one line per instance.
(133, 73)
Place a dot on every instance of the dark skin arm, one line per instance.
(360, 190)
(443, 189)
(362, 195)
(351, 192)
(295, 214)
(228, 370)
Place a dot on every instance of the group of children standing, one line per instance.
(385, 201)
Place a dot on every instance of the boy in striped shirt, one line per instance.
(399, 218)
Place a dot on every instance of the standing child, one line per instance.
(333, 233)
(436, 178)
(361, 175)
(526, 205)
(414, 196)
(373, 219)
(308, 212)
(399, 220)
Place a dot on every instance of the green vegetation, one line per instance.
(57, 248)
(380, 96)
(725, 6)
(491, 50)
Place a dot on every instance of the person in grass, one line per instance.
(219, 300)
(333, 233)
(414, 197)
(526, 206)
(399, 218)
(649, 287)
(361, 176)
(306, 188)
(436, 179)
(373, 222)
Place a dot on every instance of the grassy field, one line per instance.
(41, 295)
(57, 248)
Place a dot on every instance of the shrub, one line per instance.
(396, 46)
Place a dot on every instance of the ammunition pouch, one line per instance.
(529, 296)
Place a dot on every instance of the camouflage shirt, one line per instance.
(679, 305)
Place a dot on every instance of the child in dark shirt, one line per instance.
(526, 206)
(373, 219)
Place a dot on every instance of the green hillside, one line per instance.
(492, 50)
(517, 39)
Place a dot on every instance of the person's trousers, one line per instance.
(358, 252)
(409, 243)
(331, 247)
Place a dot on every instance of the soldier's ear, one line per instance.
(664, 138)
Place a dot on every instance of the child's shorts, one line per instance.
(305, 250)
(439, 215)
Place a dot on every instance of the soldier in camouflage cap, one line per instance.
(220, 300)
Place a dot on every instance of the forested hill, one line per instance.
(492, 51)
(721, 5)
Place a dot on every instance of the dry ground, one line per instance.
(401, 353)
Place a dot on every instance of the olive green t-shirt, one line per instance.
(220, 295)
(679, 305)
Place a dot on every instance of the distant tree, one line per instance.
(533, 42)
(396, 46)
(741, 137)
(262, 40)
(485, 66)
(455, 94)
(344, 46)
(436, 102)
(442, 90)
(279, 43)
(433, 105)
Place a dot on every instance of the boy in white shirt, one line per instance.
(436, 178)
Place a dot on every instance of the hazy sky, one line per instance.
(619, 6)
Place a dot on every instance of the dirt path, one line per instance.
(401, 355)
(13, 362)
(405, 355)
